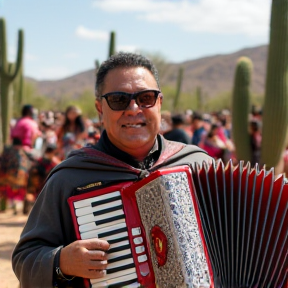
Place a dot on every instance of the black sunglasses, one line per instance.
(118, 101)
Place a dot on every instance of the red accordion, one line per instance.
(209, 226)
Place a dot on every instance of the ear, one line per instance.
(98, 105)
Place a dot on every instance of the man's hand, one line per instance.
(85, 258)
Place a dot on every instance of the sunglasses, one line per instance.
(118, 101)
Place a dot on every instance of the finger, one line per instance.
(97, 265)
(95, 244)
(94, 274)
(97, 255)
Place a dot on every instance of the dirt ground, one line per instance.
(10, 229)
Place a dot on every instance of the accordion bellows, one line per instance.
(244, 217)
(209, 226)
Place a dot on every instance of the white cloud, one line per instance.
(86, 33)
(248, 17)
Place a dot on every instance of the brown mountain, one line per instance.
(214, 74)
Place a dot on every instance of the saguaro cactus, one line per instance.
(178, 88)
(241, 107)
(275, 110)
(8, 73)
(112, 49)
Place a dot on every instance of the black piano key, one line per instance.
(108, 210)
(109, 233)
(121, 268)
(118, 240)
(123, 284)
(108, 220)
(105, 201)
(124, 257)
(117, 249)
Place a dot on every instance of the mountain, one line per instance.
(214, 74)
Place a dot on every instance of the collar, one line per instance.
(105, 145)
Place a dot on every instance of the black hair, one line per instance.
(27, 110)
(123, 60)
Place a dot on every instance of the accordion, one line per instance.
(190, 226)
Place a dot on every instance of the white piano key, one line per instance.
(136, 231)
(88, 201)
(119, 244)
(93, 226)
(120, 263)
(95, 233)
(140, 249)
(91, 218)
(115, 236)
(120, 279)
(90, 210)
(129, 271)
(119, 254)
(142, 258)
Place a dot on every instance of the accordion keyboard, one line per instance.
(103, 217)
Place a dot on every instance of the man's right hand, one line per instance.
(85, 258)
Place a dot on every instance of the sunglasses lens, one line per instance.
(146, 99)
(118, 101)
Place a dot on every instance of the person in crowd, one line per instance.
(129, 100)
(198, 129)
(214, 145)
(177, 133)
(255, 141)
(15, 163)
(72, 134)
(26, 129)
(38, 173)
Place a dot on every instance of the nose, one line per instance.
(132, 107)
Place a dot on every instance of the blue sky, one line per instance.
(65, 37)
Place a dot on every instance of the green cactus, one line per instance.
(275, 110)
(8, 73)
(178, 88)
(241, 108)
(112, 49)
(18, 92)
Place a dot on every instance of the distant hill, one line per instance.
(214, 74)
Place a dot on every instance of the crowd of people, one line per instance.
(40, 141)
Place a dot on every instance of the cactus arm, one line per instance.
(112, 50)
(240, 109)
(275, 111)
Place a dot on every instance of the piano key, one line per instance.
(88, 201)
(105, 232)
(90, 210)
(116, 238)
(120, 280)
(94, 226)
(119, 254)
(120, 258)
(91, 218)
(120, 268)
(131, 271)
(119, 246)
(118, 264)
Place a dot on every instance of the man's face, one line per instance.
(134, 129)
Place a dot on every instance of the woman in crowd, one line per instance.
(72, 134)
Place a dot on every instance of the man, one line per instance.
(128, 100)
